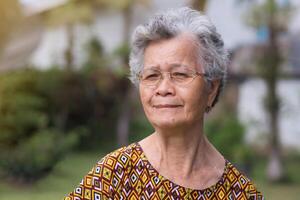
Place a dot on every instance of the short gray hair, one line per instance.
(173, 22)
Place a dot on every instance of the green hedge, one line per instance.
(29, 145)
(44, 114)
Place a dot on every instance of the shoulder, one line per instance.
(240, 184)
(121, 157)
(106, 176)
(117, 162)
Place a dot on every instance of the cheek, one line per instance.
(145, 98)
(195, 103)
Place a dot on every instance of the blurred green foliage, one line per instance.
(227, 134)
(44, 114)
(30, 146)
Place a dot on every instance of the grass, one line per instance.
(68, 174)
(280, 191)
(63, 180)
(289, 189)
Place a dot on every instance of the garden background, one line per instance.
(66, 101)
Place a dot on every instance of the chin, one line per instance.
(167, 123)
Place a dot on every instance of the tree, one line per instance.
(273, 17)
(30, 146)
(81, 11)
(126, 8)
(72, 13)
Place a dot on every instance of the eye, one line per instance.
(180, 75)
(151, 76)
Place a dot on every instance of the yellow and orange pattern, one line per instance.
(127, 174)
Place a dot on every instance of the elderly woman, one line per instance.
(178, 62)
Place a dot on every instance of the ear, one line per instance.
(212, 91)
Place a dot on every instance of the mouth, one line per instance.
(160, 106)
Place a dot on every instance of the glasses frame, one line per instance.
(194, 75)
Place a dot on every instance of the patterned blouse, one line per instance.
(127, 174)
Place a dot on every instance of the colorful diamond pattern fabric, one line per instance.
(127, 174)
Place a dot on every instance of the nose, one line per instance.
(165, 87)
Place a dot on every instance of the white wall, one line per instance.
(251, 111)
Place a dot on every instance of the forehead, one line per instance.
(181, 50)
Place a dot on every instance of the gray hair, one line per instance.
(173, 22)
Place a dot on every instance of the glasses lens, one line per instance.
(150, 77)
(182, 77)
(179, 77)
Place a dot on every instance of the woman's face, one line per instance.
(167, 104)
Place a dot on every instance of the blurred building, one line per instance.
(252, 90)
(44, 47)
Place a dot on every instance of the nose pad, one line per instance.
(165, 86)
(163, 77)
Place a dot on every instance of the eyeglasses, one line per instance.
(180, 77)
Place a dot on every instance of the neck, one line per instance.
(180, 152)
(184, 150)
(180, 144)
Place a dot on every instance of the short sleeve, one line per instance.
(253, 193)
(95, 185)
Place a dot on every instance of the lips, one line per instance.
(166, 106)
